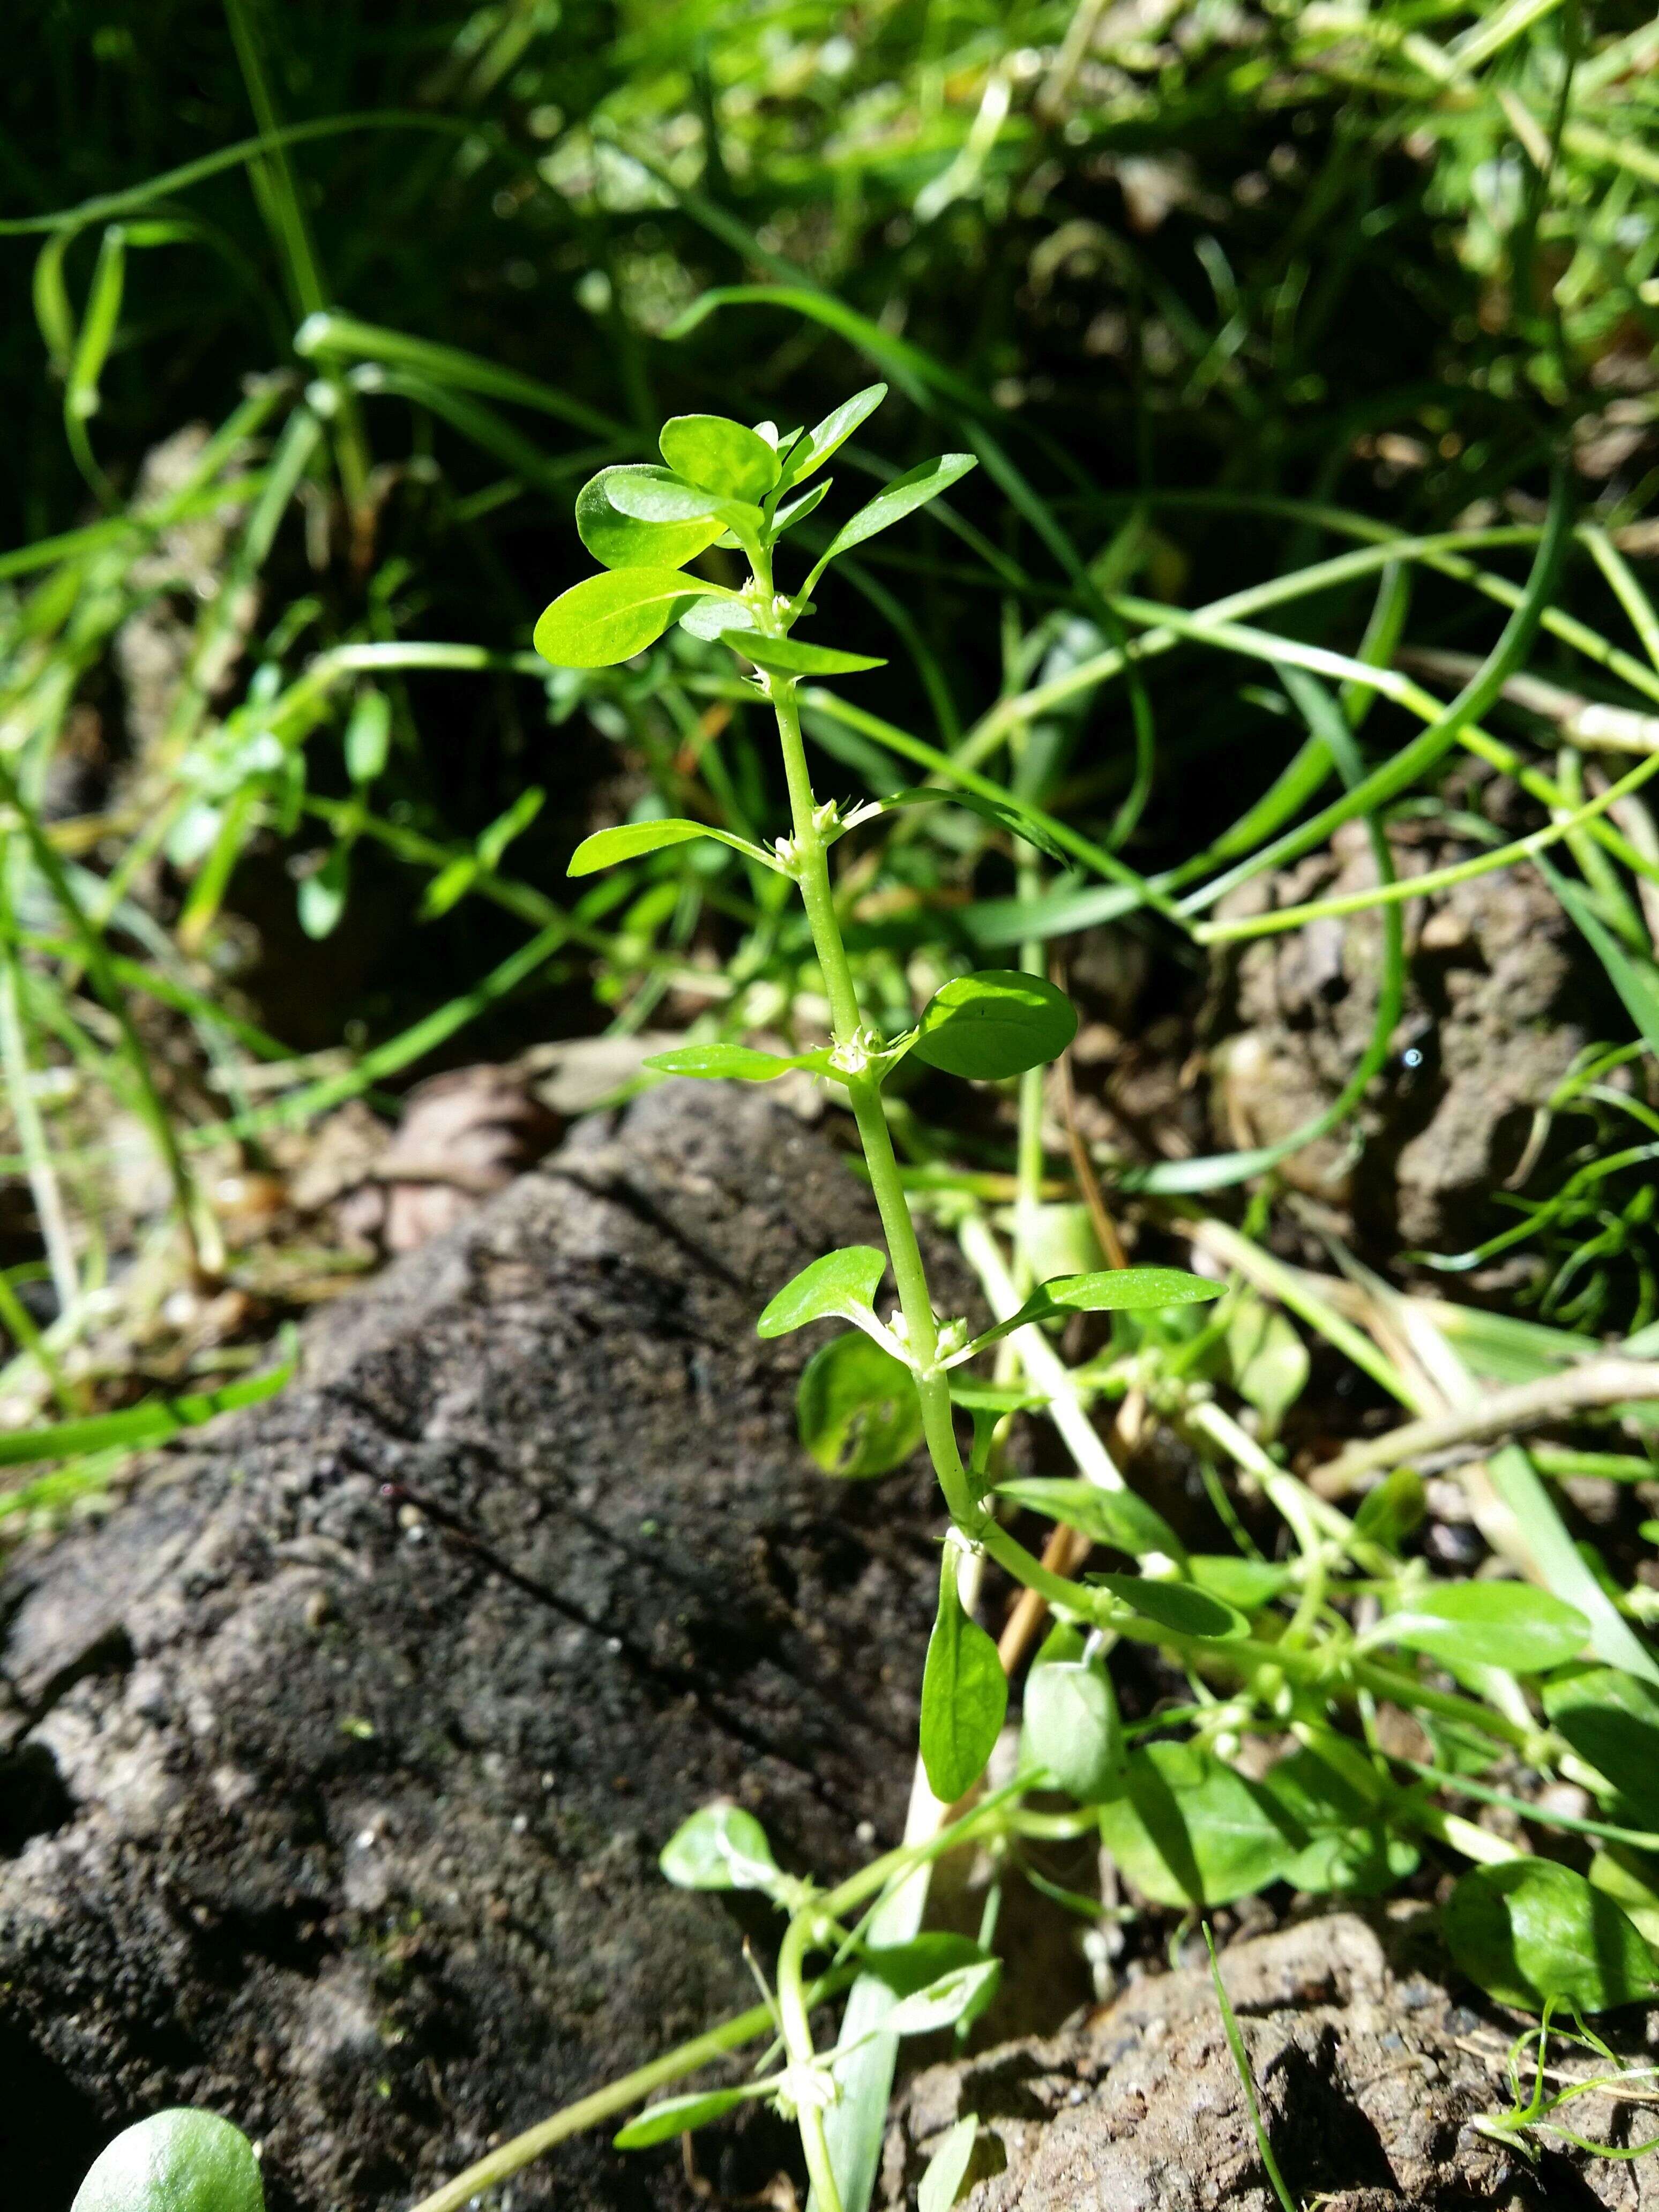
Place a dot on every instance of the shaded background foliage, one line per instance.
(1182, 277)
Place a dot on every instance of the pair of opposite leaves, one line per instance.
(720, 478)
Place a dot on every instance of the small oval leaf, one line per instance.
(1072, 1728)
(1189, 1831)
(619, 540)
(964, 1697)
(1129, 1290)
(720, 1847)
(947, 2169)
(1612, 1720)
(1508, 1625)
(797, 510)
(322, 896)
(719, 456)
(1008, 814)
(857, 1410)
(908, 1967)
(1531, 1930)
(712, 619)
(628, 841)
(368, 736)
(175, 2161)
(1247, 1584)
(1175, 1606)
(995, 1023)
(839, 1286)
(678, 2116)
(611, 618)
(943, 2002)
(1390, 1513)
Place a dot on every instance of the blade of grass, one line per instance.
(1223, 1170)
(141, 1427)
(1241, 2059)
(196, 1218)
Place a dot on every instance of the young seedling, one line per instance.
(723, 482)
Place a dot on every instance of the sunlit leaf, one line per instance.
(1268, 1359)
(1507, 1625)
(611, 618)
(1072, 1728)
(943, 2002)
(1111, 1290)
(719, 456)
(814, 447)
(678, 2116)
(996, 1023)
(322, 896)
(901, 497)
(1392, 1511)
(1176, 1606)
(175, 2161)
(797, 510)
(1189, 1831)
(720, 1847)
(1008, 814)
(619, 540)
(794, 656)
(1247, 1584)
(630, 840)
(1531, 1930)
(1629, 1878)
(1130, 1290)
(716, 618)
(1116, 1517)
(368, 736)
(657, 497)
(839, 1286)
(1348, 1852)
(731, 1063)
(1364, 1861)
(907, 1967)
(1612, 1720)
(964, 1697)
(941, 2184)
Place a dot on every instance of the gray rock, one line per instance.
(336, 1763)
(1369, 2081)
(1502, 996)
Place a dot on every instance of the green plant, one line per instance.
(178, 2161)
(1319, 432)
(723, 480)
(1179, 1818)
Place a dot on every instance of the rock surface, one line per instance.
(333, 1767)
(1502, 995)
(1368, 2078)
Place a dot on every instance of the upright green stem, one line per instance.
(797, 2042)
(910, 1273)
